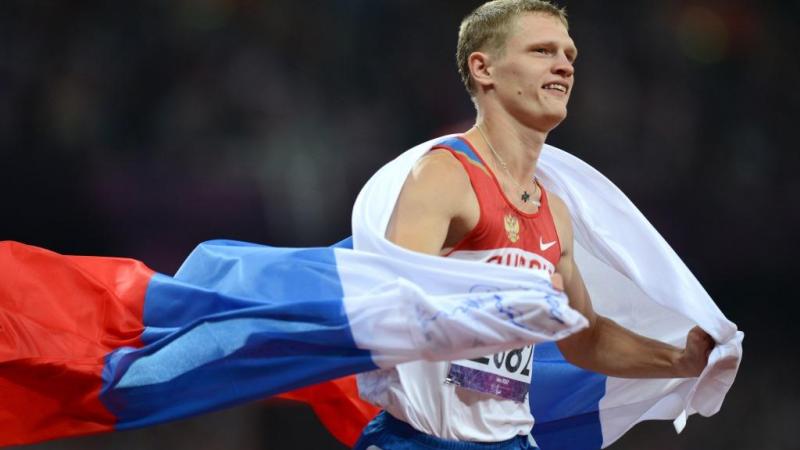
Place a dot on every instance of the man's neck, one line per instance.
(518, 146)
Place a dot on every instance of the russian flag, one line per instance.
(93, 344)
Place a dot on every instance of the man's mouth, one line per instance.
(560, 87)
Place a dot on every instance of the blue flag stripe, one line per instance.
(237, 322)
(565, 402)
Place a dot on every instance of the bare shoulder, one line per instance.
(558, 207)
(440, 166)
(435, 195)
(437, 179)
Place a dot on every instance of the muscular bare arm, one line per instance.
(435, 206)
(609, 348)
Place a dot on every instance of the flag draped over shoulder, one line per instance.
(91, 344)
(633, 277)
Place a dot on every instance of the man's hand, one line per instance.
(694, 357)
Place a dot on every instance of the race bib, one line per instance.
(505, 374)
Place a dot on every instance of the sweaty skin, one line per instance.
(521, 95)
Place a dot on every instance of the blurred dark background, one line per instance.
(143, 128)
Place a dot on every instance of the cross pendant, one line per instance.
(525, 196)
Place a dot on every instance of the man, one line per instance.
(476, 197)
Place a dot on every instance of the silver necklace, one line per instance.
(525, 197)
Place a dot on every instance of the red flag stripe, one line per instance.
(59, 317)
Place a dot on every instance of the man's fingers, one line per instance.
(702, 337)
(701, 341)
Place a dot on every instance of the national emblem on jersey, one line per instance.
(512, 227)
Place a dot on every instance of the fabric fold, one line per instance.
(90, 344)
(633, 276)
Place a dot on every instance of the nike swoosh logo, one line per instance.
(544, 246)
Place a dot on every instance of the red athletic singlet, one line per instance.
(429, 395)
(504, 234)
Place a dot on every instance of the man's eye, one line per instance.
(543, 51)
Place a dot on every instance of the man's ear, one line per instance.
(480, 69)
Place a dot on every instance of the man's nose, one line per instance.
(564, 67)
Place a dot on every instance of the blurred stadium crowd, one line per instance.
(143, 128)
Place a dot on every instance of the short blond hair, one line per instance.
(487, 29)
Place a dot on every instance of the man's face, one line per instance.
(534, 77)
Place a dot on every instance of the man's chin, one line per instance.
(549, 121)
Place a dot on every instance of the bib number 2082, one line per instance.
(517, 361)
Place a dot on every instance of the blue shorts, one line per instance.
(387, 433)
